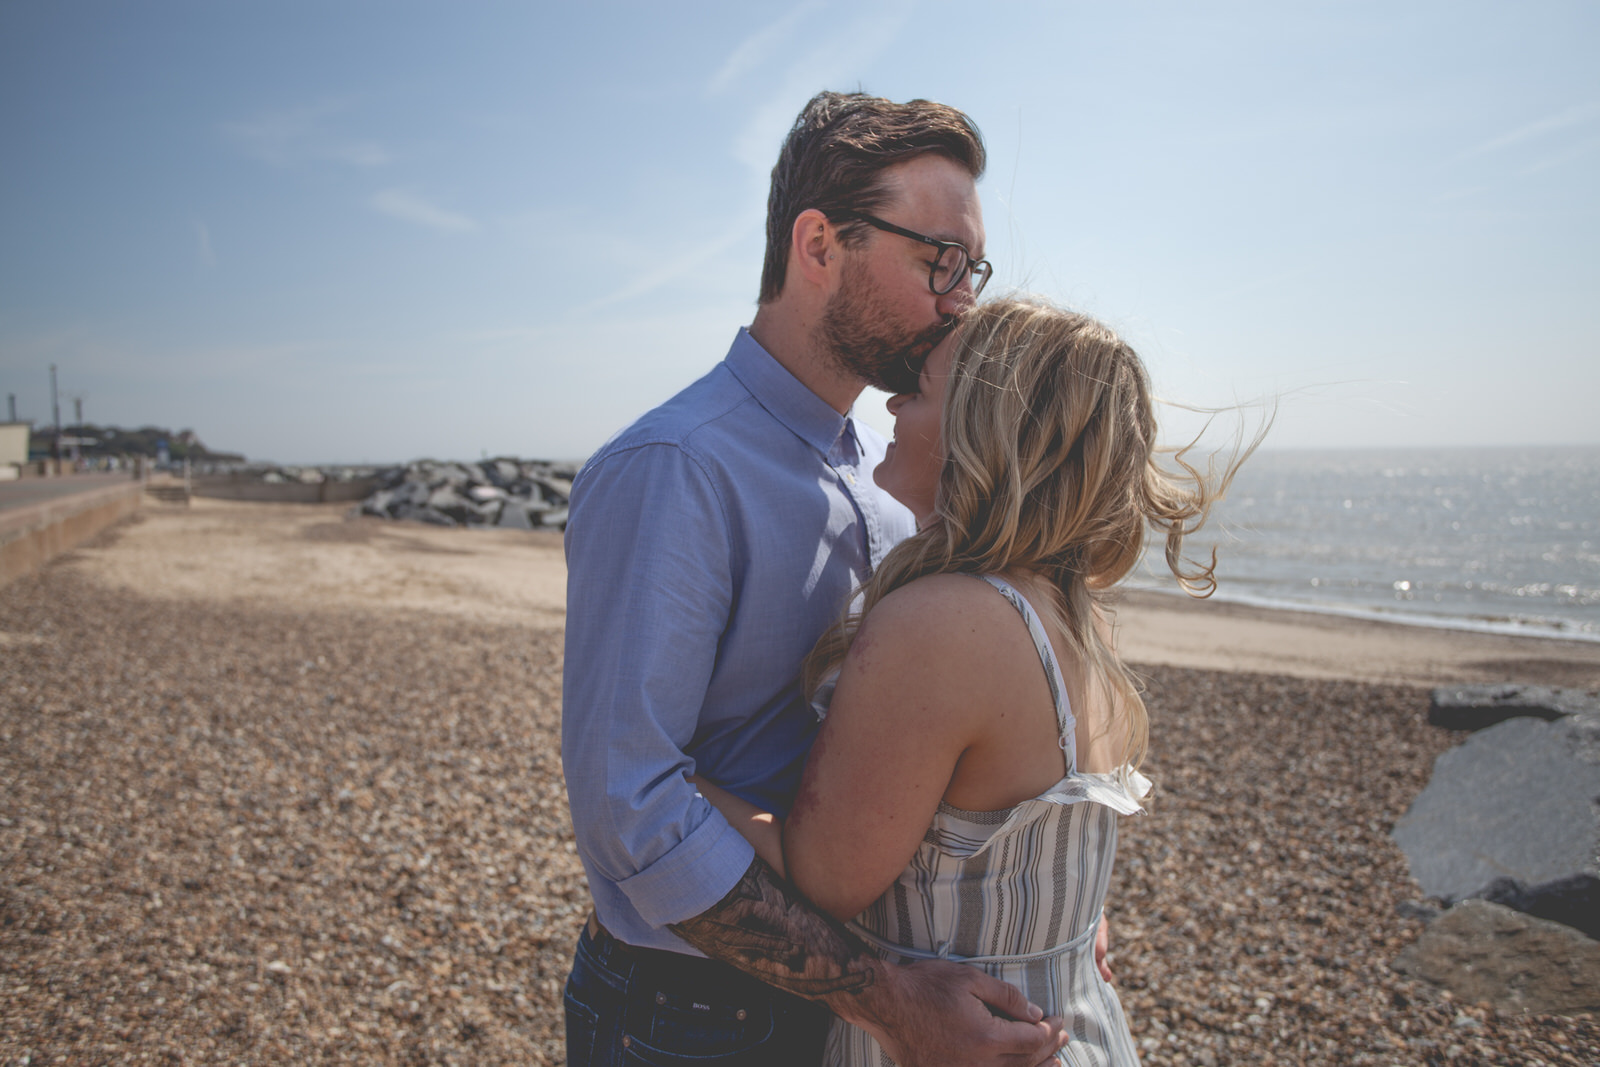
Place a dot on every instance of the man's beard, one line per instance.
(859, 334)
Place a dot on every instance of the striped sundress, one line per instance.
(1017, 893)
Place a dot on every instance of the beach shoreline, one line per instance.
(1221, 635)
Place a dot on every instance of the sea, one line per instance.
(1497, 540)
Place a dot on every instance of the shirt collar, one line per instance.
(784, 396)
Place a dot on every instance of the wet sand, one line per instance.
(1219, 636)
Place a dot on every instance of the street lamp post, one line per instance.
(55, 406)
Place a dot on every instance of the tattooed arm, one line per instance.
(935, 1012)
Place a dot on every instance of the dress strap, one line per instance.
(1065, 720)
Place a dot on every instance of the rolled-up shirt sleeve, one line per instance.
(649, 593)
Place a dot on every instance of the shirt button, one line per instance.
(627, 1042)
(661, 998)
(740, 1014)
(851, 478)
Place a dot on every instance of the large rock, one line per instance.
(555, 490)
(502, 472)
(454, 475)
(514, 517)
(1475, 707)
(1482, 951)
(1573, 901)
(421, 514)
(414, 493)
(446, 499)
(1517, 802)
(378, 503)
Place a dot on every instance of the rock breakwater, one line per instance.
(515, 494)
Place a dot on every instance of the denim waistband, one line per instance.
(678, 968)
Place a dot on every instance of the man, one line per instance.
(709, 545)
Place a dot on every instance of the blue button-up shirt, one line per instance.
(708, 546)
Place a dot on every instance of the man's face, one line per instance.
(915, 458)
(883, 320)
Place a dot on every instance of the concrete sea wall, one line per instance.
(32, 535)
(250, 487)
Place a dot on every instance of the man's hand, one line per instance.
(938, 1013)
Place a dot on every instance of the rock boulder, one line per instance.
(1512, 812)
(1475, 707)
(1482, 951)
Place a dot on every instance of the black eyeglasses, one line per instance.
(952, 264)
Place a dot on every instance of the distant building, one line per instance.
(13, 448)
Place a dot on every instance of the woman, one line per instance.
(981, 736)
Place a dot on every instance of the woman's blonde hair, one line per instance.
(1050, 467)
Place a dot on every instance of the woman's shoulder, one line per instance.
(943, 614)
(939, 594)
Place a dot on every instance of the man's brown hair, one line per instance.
(835, 155)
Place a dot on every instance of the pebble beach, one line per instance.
(279, 785)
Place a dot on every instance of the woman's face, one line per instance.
(910, 470)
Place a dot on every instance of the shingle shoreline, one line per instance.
(234, 832)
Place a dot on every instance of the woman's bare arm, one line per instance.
(896, 729)
(762, 829)
(915, 695)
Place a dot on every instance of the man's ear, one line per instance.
(815, 247)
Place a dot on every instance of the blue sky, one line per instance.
(343, 231)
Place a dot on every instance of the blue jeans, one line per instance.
(629, 1005)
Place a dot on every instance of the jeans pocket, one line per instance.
(695, 1028)
(583, 1024)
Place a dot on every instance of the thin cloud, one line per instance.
(1572, 116)
(749, 53)
(678, 266)
(1562, 158)
(292, 136)
(94, 355)
(504, 335)
(360, 154)
(226, 363)
(412, 207)
(850, 48)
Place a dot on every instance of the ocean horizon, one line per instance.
(1494, 540)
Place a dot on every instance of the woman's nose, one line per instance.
(895, 402)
